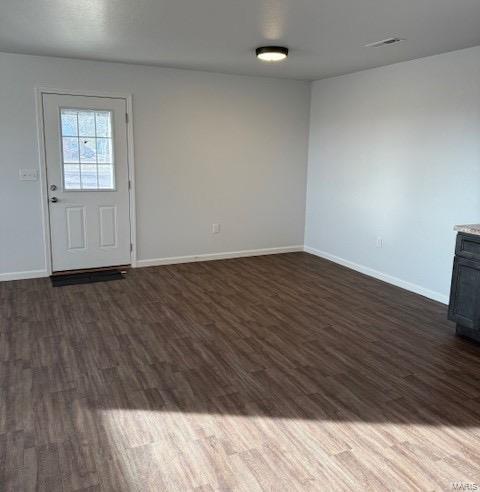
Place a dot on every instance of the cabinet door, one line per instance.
(465, 293)
(468, 246)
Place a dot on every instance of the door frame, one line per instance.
(39, 92)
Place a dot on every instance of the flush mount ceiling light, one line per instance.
(272, 53)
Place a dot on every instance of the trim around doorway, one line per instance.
(39, 91)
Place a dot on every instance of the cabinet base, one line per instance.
(469, 333)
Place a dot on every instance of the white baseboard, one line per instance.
(437, 296)
(431, 294)
(23, 275)
(172, 260)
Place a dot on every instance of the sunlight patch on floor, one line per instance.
(172, 450)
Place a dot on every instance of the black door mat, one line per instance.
(87, 277)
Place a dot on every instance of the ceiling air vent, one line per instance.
(384, 42)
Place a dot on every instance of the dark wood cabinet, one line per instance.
(464, 306)
(468, 246)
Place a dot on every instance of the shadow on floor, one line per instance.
(233, 355)
(288, 336)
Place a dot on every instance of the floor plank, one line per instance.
(282, 372)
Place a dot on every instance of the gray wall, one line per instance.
(209, 148)
(395, 152)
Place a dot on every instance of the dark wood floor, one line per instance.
(281, 372)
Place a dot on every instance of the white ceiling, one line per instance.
(326, 37)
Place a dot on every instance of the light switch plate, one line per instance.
(28, 174)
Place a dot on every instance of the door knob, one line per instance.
(54, 199)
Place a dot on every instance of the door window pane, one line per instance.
(89, 176)
(87, 149)
(103, 124)
(69, 124)
(70, 149)
(105, 176)
(104, 150)
(71, 173)
(86, 123)
(88, 152)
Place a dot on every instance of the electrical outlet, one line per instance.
(215, 228)
(379, 242)
(28, 175)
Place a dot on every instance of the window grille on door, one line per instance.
(87, 150)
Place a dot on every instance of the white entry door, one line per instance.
(88, 181)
